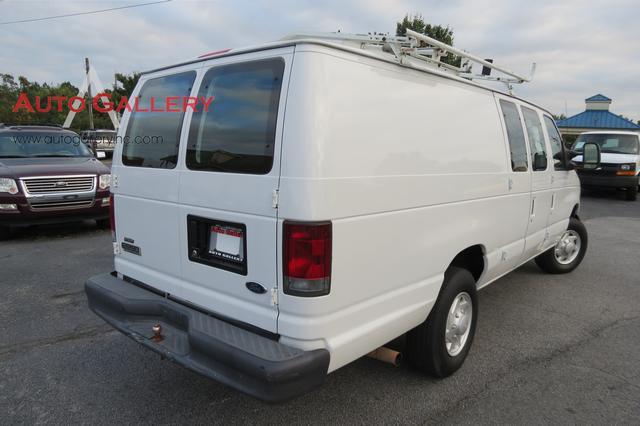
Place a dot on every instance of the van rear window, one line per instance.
(237, 133)
(152, 138)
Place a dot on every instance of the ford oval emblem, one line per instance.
(256, 288)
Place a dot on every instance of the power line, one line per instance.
(83, 13)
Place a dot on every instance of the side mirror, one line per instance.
(567, 164)
(101, 155)
(591, 156)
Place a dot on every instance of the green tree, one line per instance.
(559, 117)
(444, 34)
(11, 88)
(128, 83)
(8, 97)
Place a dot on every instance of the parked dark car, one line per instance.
(47, 175)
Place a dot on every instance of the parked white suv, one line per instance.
(329, 201)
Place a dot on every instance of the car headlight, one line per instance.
(105, 181)
(627, 167)
(8, 185)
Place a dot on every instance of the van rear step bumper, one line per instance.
(239, 358)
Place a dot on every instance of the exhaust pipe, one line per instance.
(386, 355)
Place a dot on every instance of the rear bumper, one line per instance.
(596, 181)
(242, 359)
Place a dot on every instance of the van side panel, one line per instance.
(411, 169)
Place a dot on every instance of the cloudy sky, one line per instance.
(582, 47)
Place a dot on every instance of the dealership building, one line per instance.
(595, 117)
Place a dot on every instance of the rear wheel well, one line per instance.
(471, 259)
(574, 212)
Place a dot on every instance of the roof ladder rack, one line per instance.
(430, 51)
(467, 60)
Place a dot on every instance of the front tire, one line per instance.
(440, 345)
(568, 253)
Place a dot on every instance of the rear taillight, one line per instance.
(307, 258)
(112, 217)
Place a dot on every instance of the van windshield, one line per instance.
(609, 143)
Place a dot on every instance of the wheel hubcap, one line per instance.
(568, 248)
(458, 323)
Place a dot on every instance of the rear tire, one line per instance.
(440, 345)
(631, 193)
(568, 253)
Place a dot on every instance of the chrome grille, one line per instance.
(62, 205)
(57, 184)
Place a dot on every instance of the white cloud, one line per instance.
(582, 47)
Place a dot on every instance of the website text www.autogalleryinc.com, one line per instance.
(77, 140)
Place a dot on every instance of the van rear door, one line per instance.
(145, 183)
(228, 187)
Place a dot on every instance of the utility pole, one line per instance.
(115, 88)
(86, 65)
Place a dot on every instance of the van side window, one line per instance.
(557, 148)
(536, 139)
(515, 134)
(237, 134)
(152, 137)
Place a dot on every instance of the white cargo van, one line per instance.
(332, 198)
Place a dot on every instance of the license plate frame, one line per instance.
(203, 250)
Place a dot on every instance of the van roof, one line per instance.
(347, 46)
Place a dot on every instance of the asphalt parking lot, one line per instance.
(549, 349)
